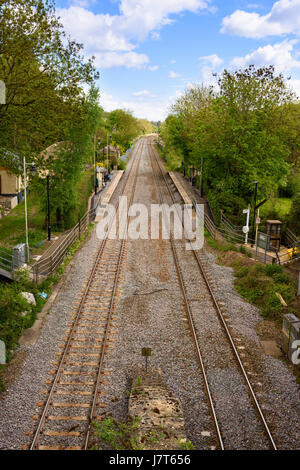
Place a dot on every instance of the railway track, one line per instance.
(73, 399)
(179, 252)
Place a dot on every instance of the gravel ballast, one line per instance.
(151, 313)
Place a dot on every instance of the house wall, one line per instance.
(10, 184)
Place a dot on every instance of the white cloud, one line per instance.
(82, 3)
(295, 86)
(284, 18)
(173, 62)
(109, 60)
(143, 16)
(153, 68)
(279, 55)
(96, 32)
(109, 37)
(213, 60)
(155, 35)
(210, 65)
(141, 93)
(173, 74)
(151, 110)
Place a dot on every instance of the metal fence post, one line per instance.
(37, 274)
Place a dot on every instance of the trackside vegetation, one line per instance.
(247, 130)
(15, 313)
(258, 283)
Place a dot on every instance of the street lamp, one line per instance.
(48, 206)
(25, 196)
(107, 151)
(201, 176)
(95, 155)
(254, 209)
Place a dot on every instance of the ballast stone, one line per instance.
(2, 353)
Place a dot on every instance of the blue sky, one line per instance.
(149, 51)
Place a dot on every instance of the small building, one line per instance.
(11, 183)
(52, 152)
(110, 150)
(274, 228)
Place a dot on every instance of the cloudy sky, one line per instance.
(149, 51)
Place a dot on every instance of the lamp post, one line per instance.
(201, 176)
(254, 209)
(95, 161)
(25, 197)
(110, 140)
(107, 150)
(48, 205)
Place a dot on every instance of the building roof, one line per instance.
(11, 160)
(54, 149)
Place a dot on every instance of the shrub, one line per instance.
(272, 306)
(117, 436)
(271, 269)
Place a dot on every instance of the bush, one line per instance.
(35, 237)
(272, 306)
(294, 218)
(122, 165)
(271, 269)
(12, 304)
(231, 204)
(116, 435)
(259, 284)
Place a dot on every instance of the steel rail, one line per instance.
(220, 315)
(191, 321)
(75, 324)
(110, 310)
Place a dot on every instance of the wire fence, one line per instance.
(48, 265)
(234, 234)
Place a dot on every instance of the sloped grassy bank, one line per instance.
(256, 282)
(13, 305)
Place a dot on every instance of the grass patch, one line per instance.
(219, 245)
(185, 445)
(12, 226)
(259, 283)
(113, 435)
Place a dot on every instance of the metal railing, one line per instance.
(226, 230)
(292, 253)
(6, 261)
(48, 265)
(9, 263)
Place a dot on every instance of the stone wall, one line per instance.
(8, 202)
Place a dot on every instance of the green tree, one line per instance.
(67, 162)
(125, 127)
(43, 71)
(236, 135)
